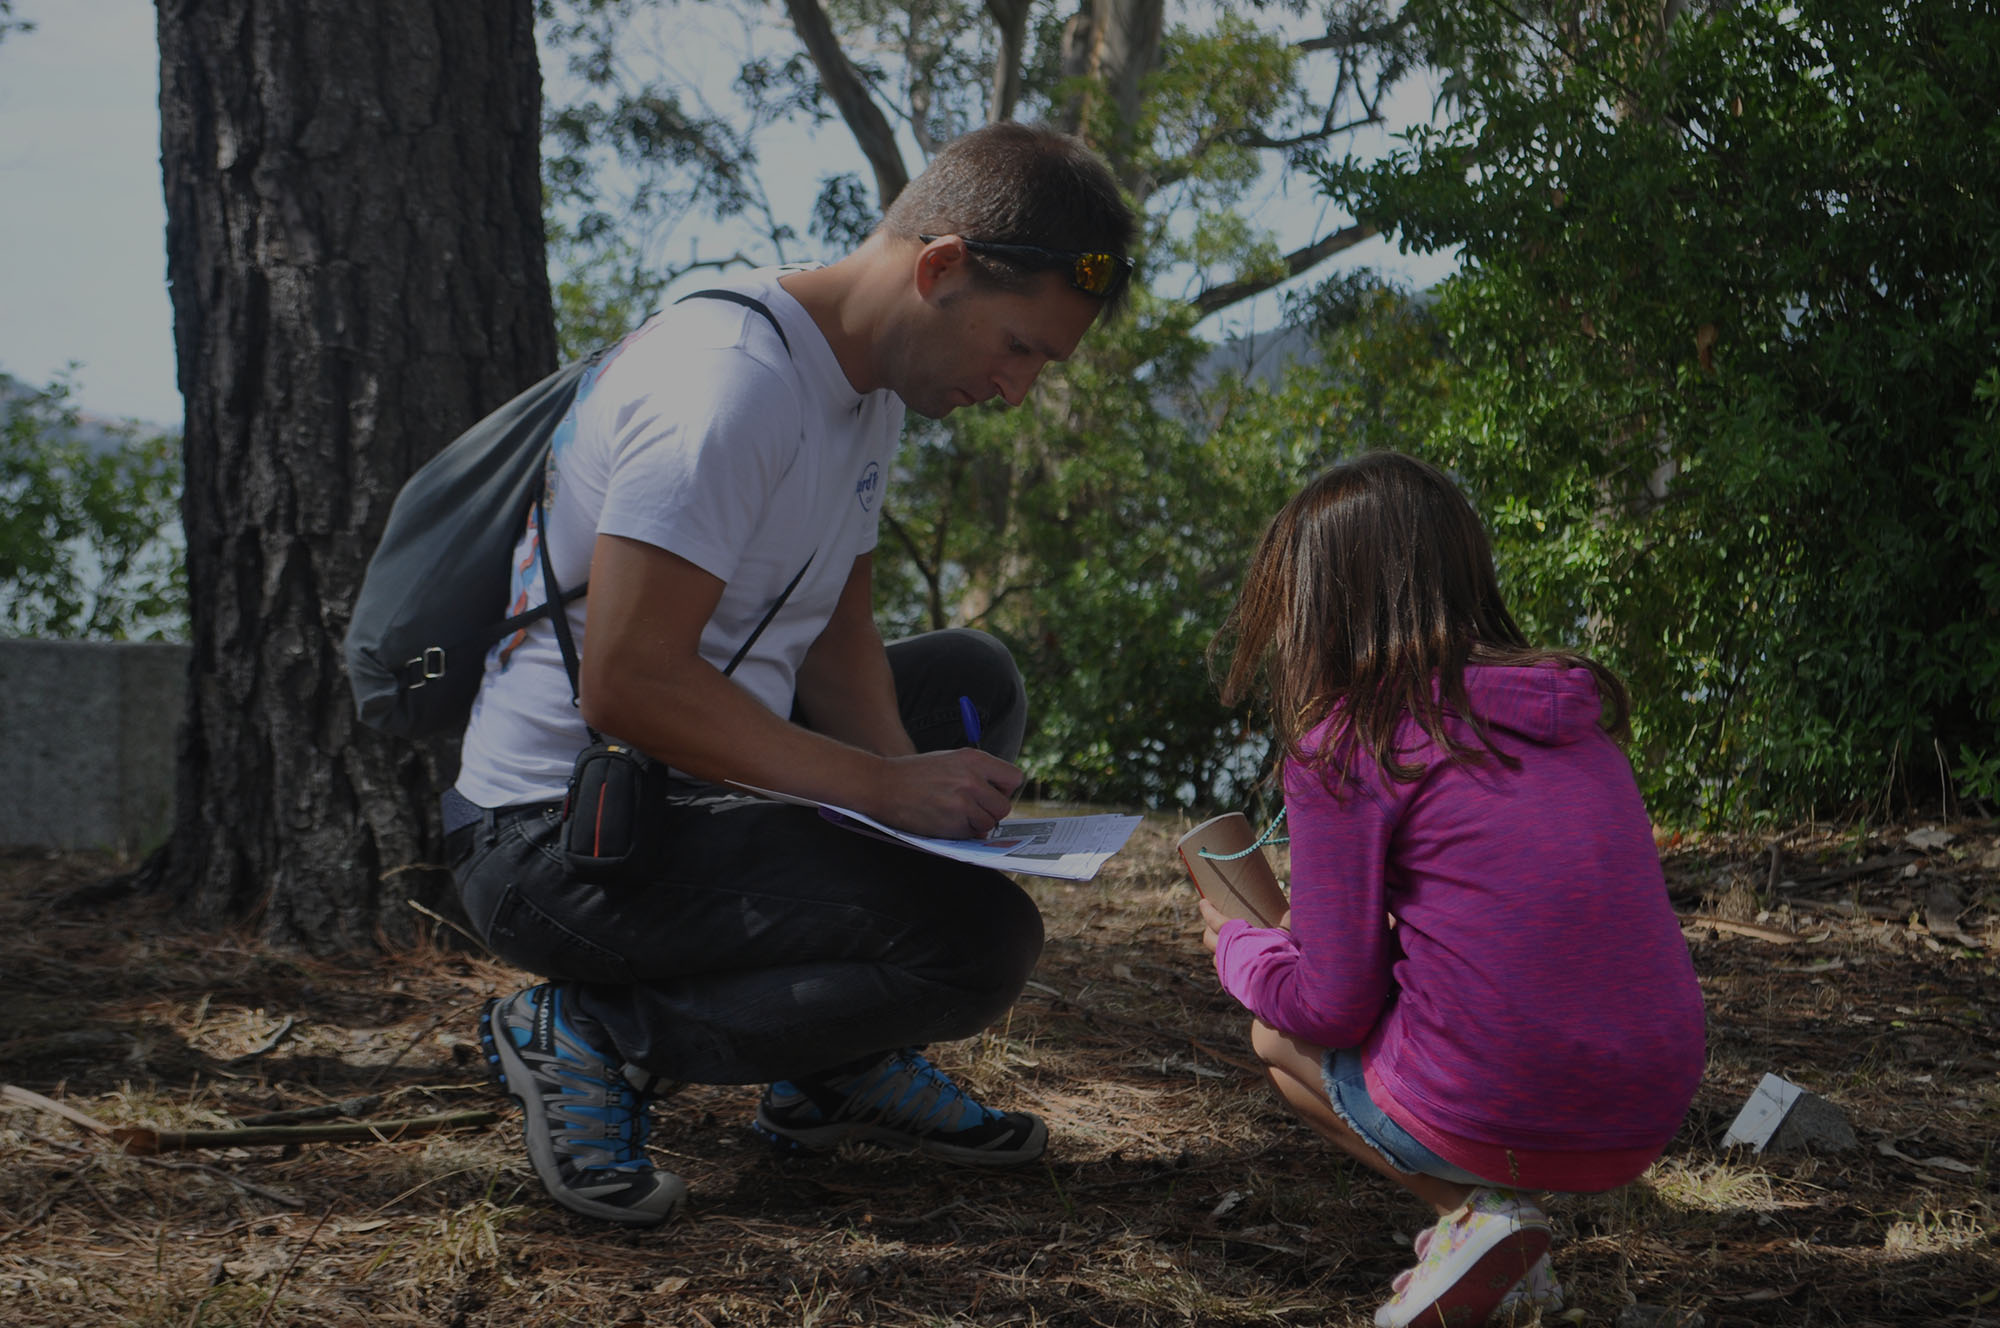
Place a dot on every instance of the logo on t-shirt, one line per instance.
(868, 486)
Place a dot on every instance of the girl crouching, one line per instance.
(1481, 991)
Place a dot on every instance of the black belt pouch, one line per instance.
(613, 827)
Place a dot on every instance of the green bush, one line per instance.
(1099, 531)
(89, 531)
(1727, 385)
(1102, 530)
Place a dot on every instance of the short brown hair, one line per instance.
(1371, 591)
(1011, 183)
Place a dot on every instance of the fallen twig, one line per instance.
(1867, 868)
(1775, 935)
(444, 921)
(249, 1187)
(1848, 909)
(285, 1276)
(923, 1219)
(349, 1107)
(144, 1142)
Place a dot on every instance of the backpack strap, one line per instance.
(508, 626)
(565, 639)
(747, 301)
(769, 614)
(514, 624)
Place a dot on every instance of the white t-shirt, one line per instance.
(699, 434)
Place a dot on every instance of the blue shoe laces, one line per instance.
(908, 1088)
(598, 1091)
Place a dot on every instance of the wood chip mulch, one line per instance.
(1857, 963)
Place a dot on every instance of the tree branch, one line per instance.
(1256, 138)
(843, 82)
(1299, 260)
(933, 590)
(1349, 38)
(1011, 17)
(675, 271)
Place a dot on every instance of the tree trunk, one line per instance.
(1116, 43)
(1127, 49)
(1010, 17)
(354, 243)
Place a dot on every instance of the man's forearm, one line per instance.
(849, 694)
(844, 684)
(703, 724)
(645, 681)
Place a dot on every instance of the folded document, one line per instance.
(1070, 848)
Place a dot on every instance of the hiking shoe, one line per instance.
(1469, 1263)
(905, 1103)
(585, 1121)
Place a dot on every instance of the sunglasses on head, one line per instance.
(1092, 273)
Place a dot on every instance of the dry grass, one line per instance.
(1175, 1190)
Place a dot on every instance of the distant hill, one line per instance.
(1261, 357)
(98, 433)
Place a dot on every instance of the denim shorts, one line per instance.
(1347, 1089)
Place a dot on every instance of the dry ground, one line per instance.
(1175, 1191)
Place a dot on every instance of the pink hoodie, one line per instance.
(1536, 992)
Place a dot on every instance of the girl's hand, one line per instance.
(1211, 923)
(1212, 919)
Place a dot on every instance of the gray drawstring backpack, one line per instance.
(431, 601)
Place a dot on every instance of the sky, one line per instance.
(83, 256)
(82, 221)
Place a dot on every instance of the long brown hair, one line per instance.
(1371, 591)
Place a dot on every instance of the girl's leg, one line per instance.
(1294, 1069)
(1489, 1248)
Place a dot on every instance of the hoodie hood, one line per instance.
(1543, 703)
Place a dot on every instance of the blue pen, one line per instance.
(970, 716)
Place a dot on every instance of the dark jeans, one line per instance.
(774, 944)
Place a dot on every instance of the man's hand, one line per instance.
(959, 794)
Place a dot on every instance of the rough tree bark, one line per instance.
(1126, 48)
(1010, 18)
(354, 243)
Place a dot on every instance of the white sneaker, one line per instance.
(1539, 1290)
(1470, 1263)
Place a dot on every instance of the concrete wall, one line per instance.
(87, 731)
